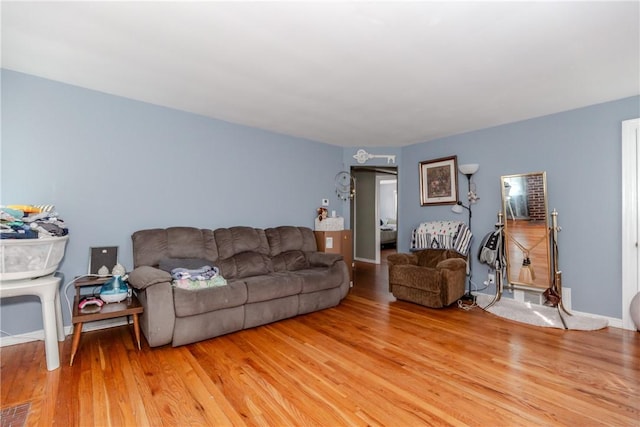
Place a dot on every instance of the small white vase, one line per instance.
(634, 309)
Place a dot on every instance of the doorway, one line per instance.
(374, 211)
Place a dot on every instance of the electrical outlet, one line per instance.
(328, 243)
(491, 278)
(325, 202)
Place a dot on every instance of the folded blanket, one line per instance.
(205, 272)
(193, 285)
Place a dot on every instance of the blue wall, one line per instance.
(581, 152)
(113, 166)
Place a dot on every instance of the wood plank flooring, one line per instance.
(369, 361)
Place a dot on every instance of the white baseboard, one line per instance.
(613, 322)
(68, 330)
(367, 260)
(110, 323)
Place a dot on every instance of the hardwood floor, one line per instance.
(369, 361)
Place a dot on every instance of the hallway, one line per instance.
(372, 280)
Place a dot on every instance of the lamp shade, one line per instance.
(469, 169)
(457, 209)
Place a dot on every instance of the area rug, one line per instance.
(14, 416)
(539, 315)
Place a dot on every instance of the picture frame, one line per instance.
(439, 181)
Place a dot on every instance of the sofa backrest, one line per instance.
(237, 251)
(243, 252)
(235, 240)
(154, 245)
(289, 238)
(289, 246)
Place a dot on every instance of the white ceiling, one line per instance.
(345, 73)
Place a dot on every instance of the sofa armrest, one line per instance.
(453, 274)
(452, 264)
(400, 259)
(154, 290)
(145, 276)
(323, 259)
(158, 319)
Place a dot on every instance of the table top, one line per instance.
(108, 310)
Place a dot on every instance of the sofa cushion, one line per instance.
(317, 279)
(290, 261)
(246, 264)
(272, 286)
(192, 302)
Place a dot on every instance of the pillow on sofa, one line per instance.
(168, 264)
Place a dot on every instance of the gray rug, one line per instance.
(539, 315)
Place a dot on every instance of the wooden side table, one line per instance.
(128, 307)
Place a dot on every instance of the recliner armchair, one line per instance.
(431, 277)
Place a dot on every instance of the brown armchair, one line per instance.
(430, 277)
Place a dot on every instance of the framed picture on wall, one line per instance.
(439, 181)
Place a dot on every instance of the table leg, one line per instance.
(136, 329)
(59, 321)
(45, 288)
(50, 332)
(77, 330)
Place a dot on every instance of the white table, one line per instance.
(46, 288)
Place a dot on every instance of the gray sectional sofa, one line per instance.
(271, 274)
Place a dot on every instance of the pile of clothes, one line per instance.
(30, 222)
(199, 278)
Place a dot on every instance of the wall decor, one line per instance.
(439, 181)
(362, 156)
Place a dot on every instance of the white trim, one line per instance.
(110, 323)
(613, 322)
(630, 212)
(370, 261)
(379, 179)
(68, 330)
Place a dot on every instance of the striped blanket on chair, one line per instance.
(442, 235)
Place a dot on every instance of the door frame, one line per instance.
(379, 182)
(379, 174)
(630, 186)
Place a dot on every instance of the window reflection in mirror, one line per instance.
(524, 203)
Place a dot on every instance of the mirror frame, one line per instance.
(541, 284)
